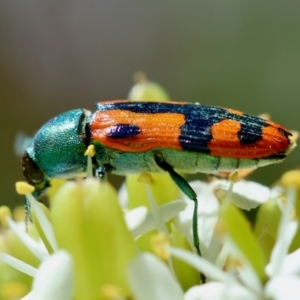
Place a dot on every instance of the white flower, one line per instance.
(149, 278)
(244, 194)
(208, 212)
(283, 269)
(54, 277)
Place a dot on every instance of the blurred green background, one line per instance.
(59, 55)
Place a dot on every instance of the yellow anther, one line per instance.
(160, 244)
(139, 77)
(90, 151)
(234, 177)
(111, 292)
(220, 194)
(265, 116)
(220, 228)
(24, 188)
(19, 214)
(4, 212)
(295, 136)
(283, 200)
(291, 179)
(13, 290)
(233, 262)
(145, 178)
(293, 215)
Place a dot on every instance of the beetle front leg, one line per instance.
(101, 171)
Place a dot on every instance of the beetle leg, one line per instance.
(95, 166)
(190, 193)
(101, 171)
(28, 217)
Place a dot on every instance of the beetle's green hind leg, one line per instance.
(186, 189)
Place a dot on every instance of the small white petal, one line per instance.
(246, 194)
(276, 192)
(247, 274)
(44, 222)
(157, 217)
(18, 264)
(89, 169)
(208, 291)
(33, 246)
(28, 296)
(286, 231)
(149, 278)
(208, 203)
(283, 288)
(123, 195)
(135, 217)
(249, 277)
(167, 211)
(208, 208)
(219, 291)
(290, 264)
(202, 265)
(54, 279)
(223, 255)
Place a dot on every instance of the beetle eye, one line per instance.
(33, 174)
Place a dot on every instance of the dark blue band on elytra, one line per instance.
(123, 131)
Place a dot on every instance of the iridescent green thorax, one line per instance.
(58, 148)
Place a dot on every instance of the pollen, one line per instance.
(283, 200)
(13, 290)
(233, 262)
(160, 244)
(234, 177)
(111, 292)
(291, 179)
(145, 178)
(220, 228)
(90, 151)
(24, 188)
(293, 215)
(4, 213)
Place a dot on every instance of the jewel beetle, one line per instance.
(133, 137)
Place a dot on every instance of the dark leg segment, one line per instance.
(101, 171)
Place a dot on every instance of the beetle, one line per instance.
(134, 137)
